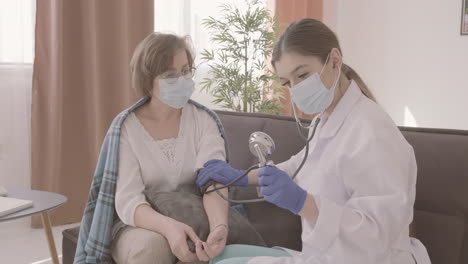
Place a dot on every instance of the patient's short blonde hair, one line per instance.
(154, 56)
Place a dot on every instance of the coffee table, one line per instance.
(43, 202)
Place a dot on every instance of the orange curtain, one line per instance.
(289, 11)
(81, 81)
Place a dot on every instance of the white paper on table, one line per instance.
(9, 205)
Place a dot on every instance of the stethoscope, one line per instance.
(262, 145)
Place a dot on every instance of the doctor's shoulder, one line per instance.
(369, 120)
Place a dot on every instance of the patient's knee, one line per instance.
(137, 245)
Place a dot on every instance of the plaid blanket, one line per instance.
(94, 241)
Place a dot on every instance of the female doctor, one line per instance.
(356, 190)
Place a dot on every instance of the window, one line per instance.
(185, 17)
(17, 20)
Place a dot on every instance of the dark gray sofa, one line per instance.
(441, 207)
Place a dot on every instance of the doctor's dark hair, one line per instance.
(310, 37)
(154, 56)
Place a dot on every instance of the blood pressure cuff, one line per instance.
(186, 206)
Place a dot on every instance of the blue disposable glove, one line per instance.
(220, 171)
(279, 189)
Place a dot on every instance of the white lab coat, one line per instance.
(362, 174)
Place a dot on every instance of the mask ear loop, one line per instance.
(335, 83)
(326, 62)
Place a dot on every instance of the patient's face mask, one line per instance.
(176, 92)
(311, 95)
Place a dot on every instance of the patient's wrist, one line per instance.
(252, 178)
(167, 225)
(219, 226)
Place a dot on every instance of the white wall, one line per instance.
(411, 55)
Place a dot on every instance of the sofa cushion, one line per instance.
(69, 242)
(441, 234)
(72, 234)
(238, 128)
(441, 157)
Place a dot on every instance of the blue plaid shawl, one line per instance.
(94, 241)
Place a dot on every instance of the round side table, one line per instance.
(43, 202)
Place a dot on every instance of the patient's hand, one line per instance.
(214, 245)
(177, 235)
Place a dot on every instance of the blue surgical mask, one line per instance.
(311, 95)
(176, 93)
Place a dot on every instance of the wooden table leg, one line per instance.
(50, 237)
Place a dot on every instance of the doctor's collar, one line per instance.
(332, 122)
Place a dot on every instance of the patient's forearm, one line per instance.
(310, 210)
(216, 207)
(253, 177)
(147, 218)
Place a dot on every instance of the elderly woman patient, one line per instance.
(162, 146)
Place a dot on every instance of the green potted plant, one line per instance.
(238, 77)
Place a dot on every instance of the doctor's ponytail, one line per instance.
(351, 74)
(311, 37)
